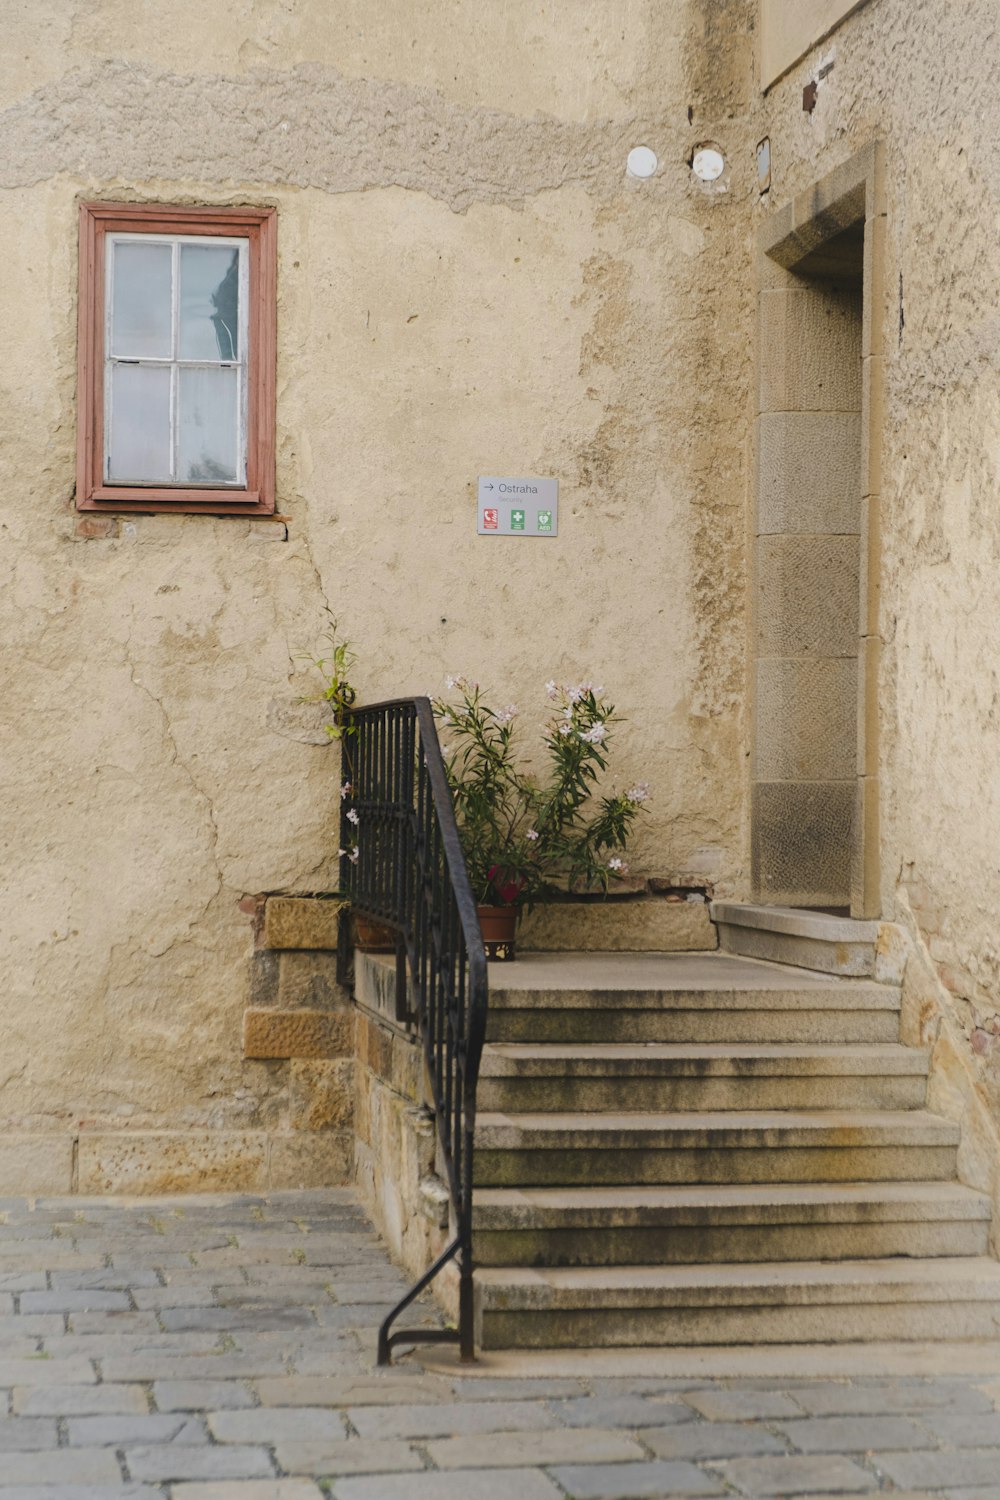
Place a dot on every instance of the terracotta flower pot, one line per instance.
(498, 925)
(373, 937)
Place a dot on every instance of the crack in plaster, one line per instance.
(307, 127)
(178, 761)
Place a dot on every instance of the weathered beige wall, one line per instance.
(788, 28)
(468, 282)
(919, 77)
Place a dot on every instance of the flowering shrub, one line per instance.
(526, 839)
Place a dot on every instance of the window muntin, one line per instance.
(176, 338)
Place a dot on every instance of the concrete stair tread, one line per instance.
(943, 1278)
(839, 1127)
(571, 1208)
(701, 1059)
(559, 979)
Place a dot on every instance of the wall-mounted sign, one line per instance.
(517, 507)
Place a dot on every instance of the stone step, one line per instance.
(688, 1225)
(791, 935)
(788, 1303)
(704, 997)
(687, 1076)
(529, 1150)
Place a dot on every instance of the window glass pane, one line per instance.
(140, 423)
(208, 450)
(140, 304)
(210, 300)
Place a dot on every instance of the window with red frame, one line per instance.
(176, 359)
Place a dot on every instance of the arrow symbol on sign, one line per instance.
(487, 486)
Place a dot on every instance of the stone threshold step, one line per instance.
(717, 1130)
(752, 1304)
(699, 1059)
(810, 939)
(740, 1204)
(777, 1283)
(630, 972)
(769, 1302)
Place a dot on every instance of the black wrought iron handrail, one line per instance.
(403, 867)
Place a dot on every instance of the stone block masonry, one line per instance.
(298, 1041)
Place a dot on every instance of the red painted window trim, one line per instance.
(259, 225)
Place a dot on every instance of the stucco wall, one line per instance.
(468, 282)
(919, 77)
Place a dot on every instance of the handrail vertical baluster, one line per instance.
(410, 874)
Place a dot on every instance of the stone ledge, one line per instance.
(806, 939)
(302, 921)
(656, 926)
(273, 1033)
(32, 1164)
(145, 1162)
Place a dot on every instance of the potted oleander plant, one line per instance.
(534, 835)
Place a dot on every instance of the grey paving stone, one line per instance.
(797, 1475)
(64, 1299)
(26, 1433)
(22, 1281)
(869, 1398)
(107, 1346)
(79, 1400)
(435, 1420)
(120, 1491)
(105, 1279)
(961, 1429)
(221, 1366)
(174, 1461)
(137, 1325)
(62, 1466)
(855, 1434)
(303, 1294)
(525, 1484)
(383, 1388)
(247, 1319)
(938, 1471)
(152, 1298)
(277, 1424)
(619, 1411)
(249, 1489)
(498, 1388)
(200, 1395)
(33, 1325)
(350, 1456)
(731, 1405)
(116, 1431)
(645, 1481)
(564, 1445)
(358, 1314)
(47, 1370)
(696, 1440)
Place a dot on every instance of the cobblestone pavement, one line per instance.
(222, 1349)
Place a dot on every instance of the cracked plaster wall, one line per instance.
(920, 76)
(467, 282)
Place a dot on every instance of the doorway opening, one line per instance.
(814, 804)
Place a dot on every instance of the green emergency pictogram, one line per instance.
(545, 520)
(517, 520)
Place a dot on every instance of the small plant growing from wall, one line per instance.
(334, 666)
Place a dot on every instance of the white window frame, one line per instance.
(175, 363)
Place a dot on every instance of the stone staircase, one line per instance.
(714, 1149)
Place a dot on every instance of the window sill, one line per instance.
(176, 502)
